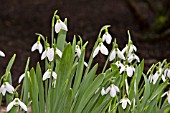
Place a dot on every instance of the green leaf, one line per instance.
(67, 105)
(79, 72)
(90, 91)
(146, 94)
(34, 92)
(40, 88)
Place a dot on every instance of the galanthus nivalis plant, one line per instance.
(70, 85)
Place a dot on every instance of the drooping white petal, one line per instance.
(116, 88)
(3, 90)
(120, 54)
(112, 55)
(63, 26)
(163, 78)
(155, 77)
(130, 71)
(128, 101)
(124, 49)
(23, 106)
(34, 47)
(57, 27)
(46, 75)
(107, 90)
(78, 50)
(96, 51)
(50, 54)
(44, 54)
(10, 105)
(40, 48)
(112, 92)
(107, 37)
(59, 53)
(2, 54)
(103, 92)
(54, 75)
(124, 103)
(9, 87)
(103, 49)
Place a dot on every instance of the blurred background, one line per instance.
(147, 20)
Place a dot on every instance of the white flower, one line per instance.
(37, 46)
(133, 57)
(60, 25)
(132, 48)
(130, 70)
(78, 51)
(121, 66)
(155, 77)
(103, 92)
(6, 87)
(48, 73)
(107, 37)
(117, 52)
(59, 53)
(2, 54)
(124, 102)
(168, 94)
(16, 102)
(100, 48)
(112, 88)
(22, 76)
(49, 53)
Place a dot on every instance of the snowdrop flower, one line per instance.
(37, 46)
(155, 77)
(49, 53)
(6, 87)
(78, 50)
(124, 102)
(59, 53)
(48, 73)
(113, 89)
(121, 66)
(130, 70)
(60, 25)
(133, 57)
(117, 52)
(168, 94)
(22, 76)
(107, 37)
(2, 54)
(16, 102)
(168, 73)
(100, 48)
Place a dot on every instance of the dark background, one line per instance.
(148, 21)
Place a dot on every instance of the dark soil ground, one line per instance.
(21, 19)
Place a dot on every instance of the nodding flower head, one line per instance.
(6, 87)
(60, 25)
(48, 74)
(16, 102)
(100, 48)
(112, 88)
(37, 46)
(107, 37)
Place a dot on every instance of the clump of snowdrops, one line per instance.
(70, 84)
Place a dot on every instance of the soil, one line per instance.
(21, 19)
